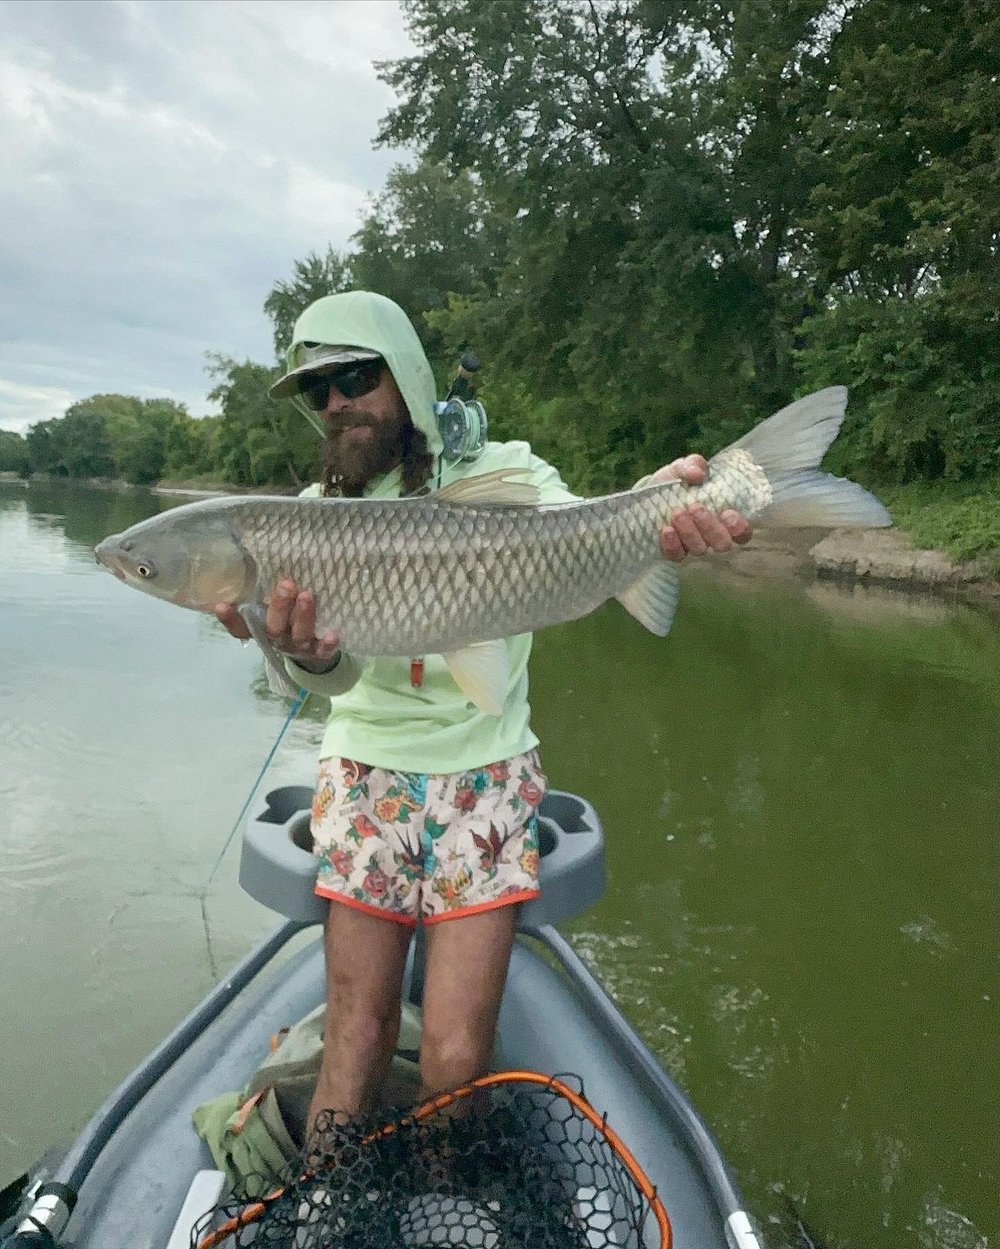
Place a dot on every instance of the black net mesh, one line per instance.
(515, 1166)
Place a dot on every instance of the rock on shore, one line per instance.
(888, 557)
(864, 557)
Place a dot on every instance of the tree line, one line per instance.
(656, 221)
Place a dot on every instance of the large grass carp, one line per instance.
(453, 572)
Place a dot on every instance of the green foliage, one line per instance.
(258, 441)
(13, 452)
(140, 439)
(925, 387)
(428, 235)
(312, 278)
(191, 448)
(905, 187)
(962, 519)
(629, 272)
(709, 207)
(556, 430)
(77, 444)
(120, 437)
(900, 233)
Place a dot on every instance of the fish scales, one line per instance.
(393, 577)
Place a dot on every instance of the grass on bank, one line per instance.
(960, 518)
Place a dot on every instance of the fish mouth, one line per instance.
(106, 560)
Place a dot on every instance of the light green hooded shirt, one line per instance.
(376, 715)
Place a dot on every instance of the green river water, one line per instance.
(799, 788)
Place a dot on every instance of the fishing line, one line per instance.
(297, 704)
(293, 711)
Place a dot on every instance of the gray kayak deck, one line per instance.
(135, 1189)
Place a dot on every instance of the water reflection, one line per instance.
(85, 515)
(877, 605)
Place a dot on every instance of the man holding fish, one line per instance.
(425, 806)
(406, 587)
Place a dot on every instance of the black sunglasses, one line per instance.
(352, 381)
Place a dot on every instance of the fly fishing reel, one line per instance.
(461, 417)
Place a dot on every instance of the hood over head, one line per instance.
(356, 324)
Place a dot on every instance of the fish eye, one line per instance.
(145, 569)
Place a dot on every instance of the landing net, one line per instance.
(511, 1161)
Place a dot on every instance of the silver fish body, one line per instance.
(414, 577)
(480, 560)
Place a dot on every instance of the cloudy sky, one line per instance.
(164, 163)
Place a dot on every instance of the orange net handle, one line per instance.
(642, 1180)
(254, 1211)
(246, 1216)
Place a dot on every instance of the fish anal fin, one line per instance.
(652, 600)
(482, 671)
(495, 487)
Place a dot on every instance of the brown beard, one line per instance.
(400, 443)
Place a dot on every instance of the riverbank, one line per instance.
(213, 490)
(868, 557)
(199, 488)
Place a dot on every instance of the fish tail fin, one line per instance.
(809, 497)
(788, 447)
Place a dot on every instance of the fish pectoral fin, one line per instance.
(278, 680)
(652, 600)
(482, 671)
(495, 487)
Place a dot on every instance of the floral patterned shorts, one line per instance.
(413, 845)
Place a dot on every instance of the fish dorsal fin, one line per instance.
(495, 487)
(481, 671)
(652, 600)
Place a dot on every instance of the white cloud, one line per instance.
(23, 104)
(322, 203)
(165, 162)
(23, 405)
(361, 33)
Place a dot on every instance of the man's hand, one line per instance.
(695, 530)
(290, 624)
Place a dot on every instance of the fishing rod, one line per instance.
(460, 416)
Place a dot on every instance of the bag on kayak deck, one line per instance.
(517, 1160)
(253, 1135)
(248, 1140)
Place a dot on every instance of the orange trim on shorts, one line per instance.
(408, 920)
(508, 900)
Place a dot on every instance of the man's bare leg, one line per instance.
(365, 958)
(466, 968)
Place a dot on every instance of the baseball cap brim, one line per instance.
(315, 358)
